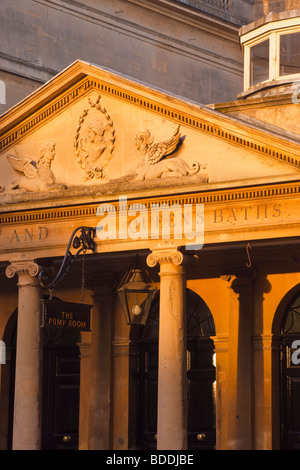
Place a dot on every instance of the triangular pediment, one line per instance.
(92, 129)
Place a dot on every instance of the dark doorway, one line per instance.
(290, 377)
(61, 386)
(200, 374)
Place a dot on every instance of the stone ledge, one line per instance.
(270, 18)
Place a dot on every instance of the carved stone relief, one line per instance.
(153, 162)
(94, 141)
(93, 147)
(36, 174)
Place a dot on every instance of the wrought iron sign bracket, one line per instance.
(81, 240)
(247, 271)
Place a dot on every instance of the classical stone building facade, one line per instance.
(153, 141)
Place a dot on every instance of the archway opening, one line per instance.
(290, 376)
(61, 385)
(200, 374)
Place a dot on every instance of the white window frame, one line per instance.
(247, 60)
(273, 32)
(283, 33)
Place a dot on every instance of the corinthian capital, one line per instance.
(22, 267)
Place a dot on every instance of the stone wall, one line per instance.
(238, 12)
(263, 7)
(165, 43)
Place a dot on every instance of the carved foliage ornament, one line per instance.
(94, 141)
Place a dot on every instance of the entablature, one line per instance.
(140, 223)
(91, 139)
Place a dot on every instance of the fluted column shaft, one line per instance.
(172, 373)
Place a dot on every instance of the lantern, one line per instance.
(136, 295)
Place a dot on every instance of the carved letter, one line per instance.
(138, 227)
(232, 214)
(218, 216)
(246, 211)
(258, 211)
(30, 235)
(43, 233)
(14, 237)
(277, 210)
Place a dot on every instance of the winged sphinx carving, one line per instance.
(36, 175)
(154, 164)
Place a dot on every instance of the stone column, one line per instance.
(172, 371)
(240, 379)
(221, 391)
(84, 402)
(262, 367)
(101, 365)
(28, 378)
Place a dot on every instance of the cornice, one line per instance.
(42, 97)
(209, 198)
(23, 68)
(169, 8)
(55, 97)
(187, 14)
(122, 22)
(28, 124)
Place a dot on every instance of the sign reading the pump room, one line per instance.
(67, 315)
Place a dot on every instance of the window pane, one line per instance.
(290, 54)
(259, 63)
(292, 319)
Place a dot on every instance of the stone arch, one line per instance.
(7, 382)
(200, 321)
(200, 362)
(282, 308)
(277, 350)
(51, 338)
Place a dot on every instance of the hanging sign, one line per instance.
(67, 315)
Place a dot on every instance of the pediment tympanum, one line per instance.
(90, 129)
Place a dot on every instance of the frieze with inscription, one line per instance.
(238, 215)
(227, 222)
(27, 235)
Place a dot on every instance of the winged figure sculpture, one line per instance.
(36, 175)
(152, 151)
(153, 162)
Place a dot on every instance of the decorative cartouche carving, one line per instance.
(153, 163)
(94, 141)
(37, 174)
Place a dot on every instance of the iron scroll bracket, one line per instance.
(81, 242)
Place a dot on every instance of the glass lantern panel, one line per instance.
(290, 54)
(259, 62)
(292, 319)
